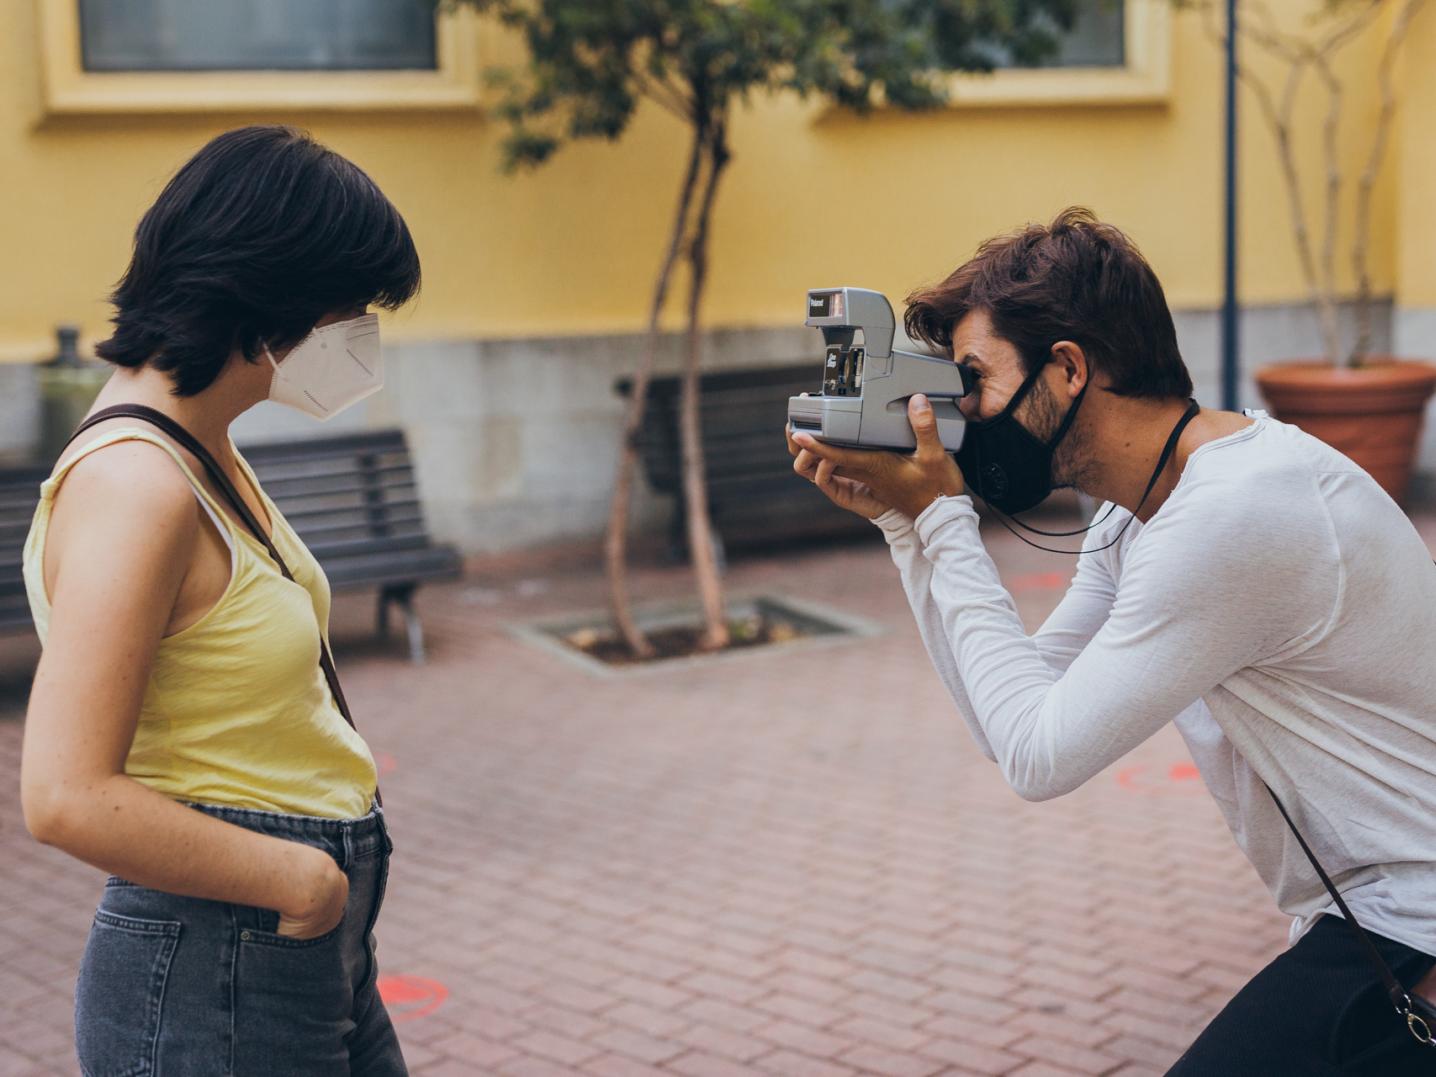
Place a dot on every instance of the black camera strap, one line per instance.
(1419, 1015)
(226, 487)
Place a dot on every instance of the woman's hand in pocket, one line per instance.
(320, 892)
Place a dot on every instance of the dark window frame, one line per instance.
(331, 40)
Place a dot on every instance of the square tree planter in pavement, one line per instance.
(760, 624)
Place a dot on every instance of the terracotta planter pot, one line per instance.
(1372, 413)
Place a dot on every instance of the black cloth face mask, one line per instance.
(990, 461)
(1006, 464)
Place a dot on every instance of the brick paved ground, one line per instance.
(776, 865)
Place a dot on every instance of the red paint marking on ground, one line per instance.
(1127, 778)
(385, 763)
(1038, 581)
(1175, 780)
(409, 997)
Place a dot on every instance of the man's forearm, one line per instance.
(1160, 646)
(1001, 667)
(916, 575)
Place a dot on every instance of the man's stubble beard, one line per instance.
(1071, 463)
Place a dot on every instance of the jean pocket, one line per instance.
(267, 934)
(120, 994)
(293, 1003)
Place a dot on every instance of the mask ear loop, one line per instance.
(1167, 450)
(1061, 534)
(1057, 440)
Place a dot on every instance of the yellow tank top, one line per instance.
(237, 711)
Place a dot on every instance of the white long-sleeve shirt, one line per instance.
(1279, 606)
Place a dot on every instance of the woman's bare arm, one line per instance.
(125, 528)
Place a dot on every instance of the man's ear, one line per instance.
(1071, 362)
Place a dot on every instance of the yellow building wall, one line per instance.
(1414, 153)
(814, 197)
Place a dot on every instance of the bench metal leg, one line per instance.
(403, 597)
(677, 535)
(382, 626)
(720, 552)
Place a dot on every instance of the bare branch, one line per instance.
(1269, 34)
(1322, 56)
(656, 86)
(1279, 119)
(1343, 34)
(1331, 155)
(667, 96)
(1361, 247)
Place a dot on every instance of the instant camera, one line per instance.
(867, 382)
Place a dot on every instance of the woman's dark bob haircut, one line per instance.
(259, 236)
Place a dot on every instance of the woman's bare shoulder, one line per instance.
(132, 480)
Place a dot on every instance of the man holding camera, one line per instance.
(1243, 579)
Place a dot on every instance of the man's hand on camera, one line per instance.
(879, 480)
(844, 492)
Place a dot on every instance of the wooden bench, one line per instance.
(354, 501)
(754, 497)
(351, 497)
(19, 494)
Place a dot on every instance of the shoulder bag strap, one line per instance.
(226, 487)
(1415, 1021)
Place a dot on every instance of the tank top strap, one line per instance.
(226, 526)
(254, 484)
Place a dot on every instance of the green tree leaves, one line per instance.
(592, 61)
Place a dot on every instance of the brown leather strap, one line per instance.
(1402, 1001)
(226, 487)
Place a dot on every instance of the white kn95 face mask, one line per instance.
(331, 369)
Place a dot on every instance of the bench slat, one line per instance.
(379, 514)
(335, 488)
(434, 564)
(353, 474)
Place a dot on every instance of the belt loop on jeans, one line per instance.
(348, 846)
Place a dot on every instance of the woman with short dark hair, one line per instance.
(186, 731)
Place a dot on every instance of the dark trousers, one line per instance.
(183, 987)
(1316, 1011)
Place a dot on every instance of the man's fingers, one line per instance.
(851, 459)
(924, 425)
(824, 477)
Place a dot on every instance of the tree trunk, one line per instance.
(1328, 310)
(615, 547)
(695, 486)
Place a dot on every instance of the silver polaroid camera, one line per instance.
(867, 383)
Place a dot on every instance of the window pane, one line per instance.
(252, 35)
(1095, 40)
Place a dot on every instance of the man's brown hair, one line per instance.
(1076, 279)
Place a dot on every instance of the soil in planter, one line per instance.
(681, 641)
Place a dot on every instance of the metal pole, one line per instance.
(1229, 302)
